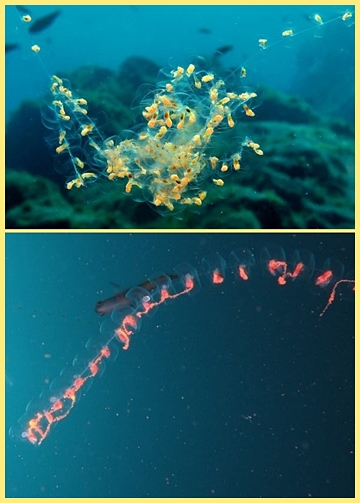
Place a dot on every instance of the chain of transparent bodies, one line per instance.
(170, 158)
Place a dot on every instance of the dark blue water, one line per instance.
(240, 390)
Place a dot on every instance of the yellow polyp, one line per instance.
(197, 201)
(165, 101)
(152, 122)
(262, 42)
(168, 120)
(287, 33)
(202, 195)
(82, 110)
(209, 131)
(230, 120)
(163, 200)
(223, 101)
(190, 69)
(169, 87)
(236, 162)
(197, 82)
(180, 125)
(88, 175)
(142, 169)
(213, 161)
(175, 193)
(346, 16)
(232, 96)
(248, 111)
(128, 187)
(143, 136)
(66, 91)
(207, 78)
(186, 180)
(81, 101)
(258, 151)
(186, 200)
(213, 94)
(178, 73)
(65, 117)
(197, 139)
(77, 182)
(161, 132)
(57, 79)
(61, 148)
(87, 129)
(62, 135)
(35, 48)
(247, 96)
(192, 117)
(224, 168)
(53, 87)
(79, 162)
(218, 182)
(152, 109)
(215, 120)
(252, 145)
(169, 205)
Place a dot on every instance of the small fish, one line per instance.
(11, 47)
(223, 50)
(205, 31)
(108, 305)
(43, 23)
(121, 301)
(22, 9)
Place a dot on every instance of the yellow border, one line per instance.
(189, 2)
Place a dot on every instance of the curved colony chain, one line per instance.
(131, 305)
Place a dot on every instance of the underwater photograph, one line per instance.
(180, 365)
(179, 117)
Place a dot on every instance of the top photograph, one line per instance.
(180, 117)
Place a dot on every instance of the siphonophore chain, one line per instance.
(130, 306)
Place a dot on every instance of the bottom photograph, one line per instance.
(220, 365)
